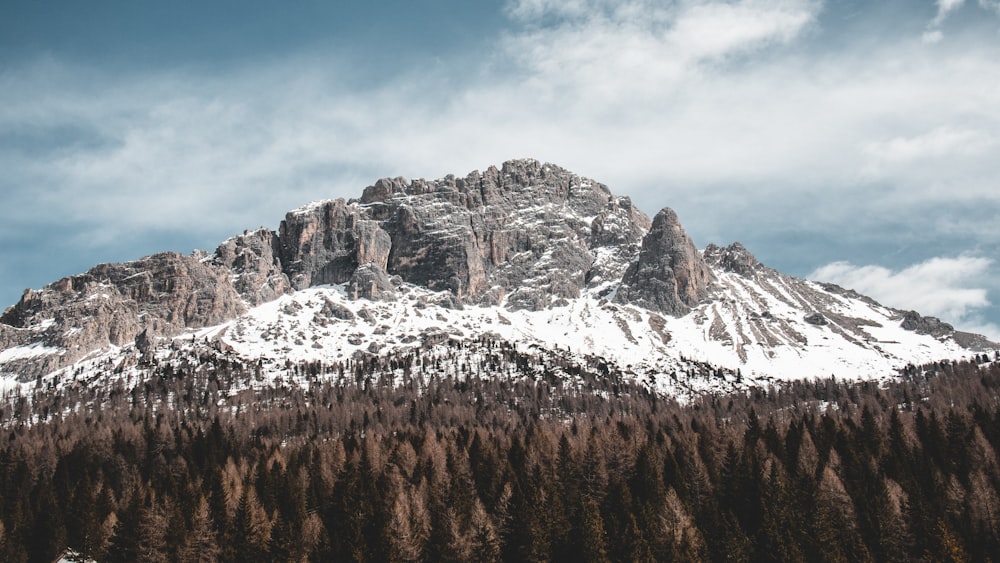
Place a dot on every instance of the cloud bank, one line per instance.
(692, 96)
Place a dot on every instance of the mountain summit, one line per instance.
(528, 252)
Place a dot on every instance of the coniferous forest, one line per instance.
(507, 463)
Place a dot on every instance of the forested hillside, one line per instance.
(388, 460)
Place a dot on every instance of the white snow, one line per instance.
(32, 350)
(750, 332)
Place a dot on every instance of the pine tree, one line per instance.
(48, 533)
(350, 509)
(152, 541)
(681, 538)
(409, 522)
(251, 529)
(530, 540)
(835, 522)
(124, 543)
(592, 537)
(486, 544)
(201, 544)
(635, 546)
(83, 527)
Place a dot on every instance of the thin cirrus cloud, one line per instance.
(949, 288)
(605, 52)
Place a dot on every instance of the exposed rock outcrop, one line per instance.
(669, 275)
(933, 326)
(733, 258)
(112, 304)
(370, 281)
(937, 328)
(326, 242)
(527, 230)
(255, 263)
(816, 319)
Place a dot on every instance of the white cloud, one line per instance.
(949, 288)
(946, 7)
(601, 43)
(942, 142)
(689, 96)
(528, 10)
(951, 162)
(707, 30)
(931, 37)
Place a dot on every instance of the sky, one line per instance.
(850, 142)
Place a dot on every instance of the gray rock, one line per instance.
(733, 258)
(113, 303)
(326, 243)
(926, 325)
(480, 237)
(254, 260)
(370, 282)
(816, 319)
(336, 311)
(669, 275)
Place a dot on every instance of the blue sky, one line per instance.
(850, 141)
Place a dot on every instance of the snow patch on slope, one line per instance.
(753, 331)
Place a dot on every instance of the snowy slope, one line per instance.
(321, 323)
(752, 330)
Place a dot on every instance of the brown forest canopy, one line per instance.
(502, 468)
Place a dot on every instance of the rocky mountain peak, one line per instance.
(669, 275)
(254, 258)
(526, 232)
(733, 258)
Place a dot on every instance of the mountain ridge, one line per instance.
(525, 239)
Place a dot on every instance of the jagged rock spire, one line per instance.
(670, 274)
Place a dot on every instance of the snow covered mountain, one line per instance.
(530, 254)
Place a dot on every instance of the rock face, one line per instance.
(933, 326)
(733, 258)
(169, 288)
(670, 275)
(527, 231)
(112, 304)
(325, 243)
(370, 281)
(255, 262)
